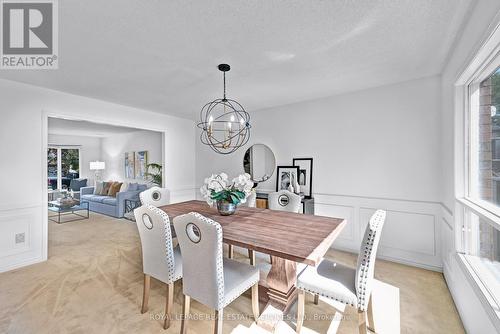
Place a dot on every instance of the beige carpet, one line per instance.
(92, 283)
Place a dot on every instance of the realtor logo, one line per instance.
(29, 34)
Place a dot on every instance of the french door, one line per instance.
(63, 165)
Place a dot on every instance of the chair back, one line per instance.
(284, 200)
(365, 268)
(155, 196)
(200, 239)
(156, 241)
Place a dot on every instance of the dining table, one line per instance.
(289, 238)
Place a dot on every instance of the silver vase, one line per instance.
(226, 208)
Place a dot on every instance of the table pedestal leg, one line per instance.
(281, 292)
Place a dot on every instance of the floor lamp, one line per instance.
(97, 167)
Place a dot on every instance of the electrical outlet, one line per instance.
(19, 238)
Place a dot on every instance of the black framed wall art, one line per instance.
(305, 166)
(286, 176)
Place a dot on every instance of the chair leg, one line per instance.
(255, 301)
(301, 303)
(362, 322)
(145, 293)
(169, 305)
(371, 322)
(230, 253)
(185, 314)
(316, 299)
(219, 315)
(251, 256)
(270, 259)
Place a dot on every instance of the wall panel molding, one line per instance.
(412, 234)
(20, 220)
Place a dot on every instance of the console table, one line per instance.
(307, 203)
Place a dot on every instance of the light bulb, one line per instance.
(242, 121)
(232, 118)
(210, 119)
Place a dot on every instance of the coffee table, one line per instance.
(61, 211)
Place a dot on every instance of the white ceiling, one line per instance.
(162, 55)
(57, 126)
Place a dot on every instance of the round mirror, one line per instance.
(259, 162)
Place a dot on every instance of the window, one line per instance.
(485, 140)
(481, 218)
(63, 166)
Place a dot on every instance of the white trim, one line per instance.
(478, 67)
(46, 114)
(482, 210)
(481, 291)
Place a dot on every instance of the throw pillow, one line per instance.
(105, 188)
(115, 187)
(132, 187)
(98, 188)
(124, 187)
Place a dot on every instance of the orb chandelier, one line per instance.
(224, 123)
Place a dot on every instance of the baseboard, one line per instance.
(23, 263)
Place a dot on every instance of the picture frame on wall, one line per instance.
(141, 164)
(285, 175)
(305, 166)
(129, 164)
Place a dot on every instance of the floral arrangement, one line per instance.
(218, 188)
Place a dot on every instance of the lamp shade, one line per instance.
(97, 165)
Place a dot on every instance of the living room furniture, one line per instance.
(160, 259)
(307, 204)
(109, 205)
(350, 286)
(208, 277)
(277, 233)
(130, 206)
(76, 185)
(61, 211)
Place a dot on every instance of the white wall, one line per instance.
(114, 148)
(377, 148)
(24, 109)
(90, 150)
(480, 24)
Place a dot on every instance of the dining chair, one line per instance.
(350, 286)
(155, 196)
(284, 200)
(208, 277)
(160, 259)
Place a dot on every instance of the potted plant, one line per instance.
(226, 195)
(154, 173)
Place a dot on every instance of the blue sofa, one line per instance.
(108, 205)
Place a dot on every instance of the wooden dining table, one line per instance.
(289, 238)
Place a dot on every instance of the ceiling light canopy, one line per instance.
(224, 122)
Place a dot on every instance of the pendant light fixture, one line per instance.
(224, 123)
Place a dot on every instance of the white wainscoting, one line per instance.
(411, 235)
(25, 219)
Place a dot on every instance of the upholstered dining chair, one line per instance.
(284, 200)
(351, 286)
(208, 277)
(155, 196)
(160, 259)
